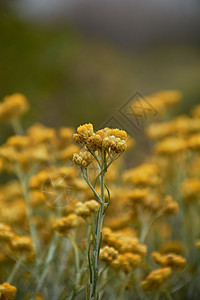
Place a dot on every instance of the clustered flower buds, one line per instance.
(86, 209)
(108, 254)
(82, 158)
(123, 242)
(126, 262)
(105, 139)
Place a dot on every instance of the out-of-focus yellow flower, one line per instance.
(156, 278)
(22, 244)
(138, 195)
(173, 246)
(38, 297)
(194, 142)
(197, 244)
(119, 222)
(6, 233)
(191, 188)
(159, 130)
(39, 133)
(13, 106)
(65, 224)
(169, 97)
(123, 242)
(169, 260)
(65, 136)
(67, 153)
(144, 175)
(170, 146)
(7, 291)
(181, 126)
(196, 111)
(170, 206)
(14, 212)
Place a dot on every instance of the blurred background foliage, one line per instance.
(70, 77)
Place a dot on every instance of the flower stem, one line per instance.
(15, 269)
(98, 237)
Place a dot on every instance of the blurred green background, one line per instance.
(70, 77)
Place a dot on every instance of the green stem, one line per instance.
(91, 186)
(157, 295)
(15, 269)
(97, 242)
(24, 183)
(17, 127)
(123, 289)
(48, 260)
(168, 296)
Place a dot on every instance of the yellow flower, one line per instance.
(169, 97)
(108, 254)
(194, 142)
(13, 106)
(196, 111)
(65, 224)
(156, 278)
(169, 260)
(7, 291)
(191, 188)
(170, 146)
(39, 133)
(22, 244)
(145, 175)
(107, 139)
(6, 232)
(82, 159)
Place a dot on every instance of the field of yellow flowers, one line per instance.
(75, 223)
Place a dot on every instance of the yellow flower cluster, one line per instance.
(13, 106)
(146, 201)
(126, 262)
(108, 254)
(171, 246)
(123, 242)
(191, 189)
(144, 175)
(171, 146)
(181, 126)
(64, 225)
(82, 159)
(16, 244)
(194, 142)
(104, 139)
(86, 209)
(196, 112)
(122, 252)
(169, 260)
(156, 278)
(156, 103)
(7, 291)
